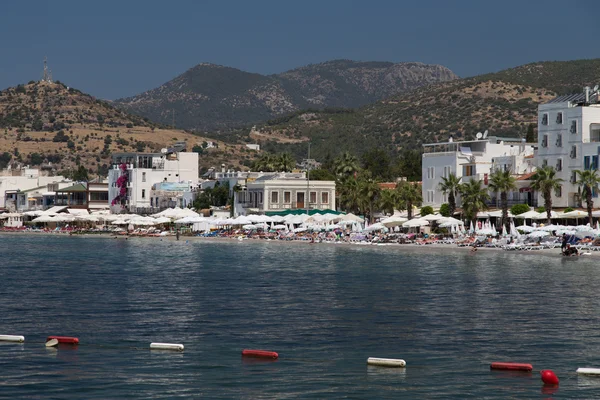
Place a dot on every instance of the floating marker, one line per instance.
(386, 362)
(549, 377)
(511, 366)
(51, 343)
(588, 371)
(166, 346)
(259, 354)
(12, 338)
(64, 339)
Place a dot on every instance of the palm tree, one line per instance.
(369, 195)
(545, 181)
(588, 183)
(266, 163)
(286, 162)
(345, 165)
(474, 197)
(408, 195)
(349, 194)
(387, 201)
(503, 182)
(450, 187)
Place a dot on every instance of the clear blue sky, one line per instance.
(112, 49)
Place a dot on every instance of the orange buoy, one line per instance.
(64, 339)
(259, 354)
(549, 377)
(511, 366)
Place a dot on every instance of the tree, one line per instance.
(348, 191)
(588, 185)
(60, 137)
(408, 165)
(530, 137)
(321, 175)
(408, 195)
(345, 165)
(36, 158)
(266, 163)
(378, 162)
(286, 162)
(545, 181)
(450, 186)
(474, 197)
(387, 201)
(369, 195)
(5, 159)
(519, 209)
(426, 210)
(445, 210)
(198, 149)
(81, 174)
(503, 182)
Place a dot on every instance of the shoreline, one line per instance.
(437, 248)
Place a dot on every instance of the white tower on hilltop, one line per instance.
(47, 72)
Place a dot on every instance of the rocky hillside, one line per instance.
(213, 97)
(58, 128)
(505, 103)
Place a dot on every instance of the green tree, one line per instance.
(198, 149)
(503, 182)
(445, 210)
(408, 195)
(426, 210)
(588, 181)
(450, 186)
(519, 209)
(387, 201)
(474, 198)
(36, 158)
(345, 165)
(286, 163)
(266, 163)
(348, 191)
(321, 175)
(369, 195)
(377, 161)
(530, 137)
(5, 159)
(81, 174)
(545, 181)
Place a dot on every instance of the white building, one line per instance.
(22, 180)
(143, 170)
(283, 191)
(474, 159)
(569, 140)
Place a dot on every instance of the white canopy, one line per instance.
(351, 217)
(413, 223)
(392, 221)
(528, 215)
(542, 215)
(375, 227)
(432, 217)
(498, 214)
(574, 214)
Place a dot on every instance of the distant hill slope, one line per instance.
(57, 127)
(505, 103)
(214, 97)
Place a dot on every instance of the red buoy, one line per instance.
(549, 377)
(511, 366)
(259, 354)
(64, 339)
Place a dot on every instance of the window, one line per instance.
(559, 140)
(573, 127)
(260, 198)
(468, 170)
(313, 197)
(594, 164)
(545, 119)
(447, 172)
(586, 162)
(287, 197)
(98, 196)
(573, 151)
(143, 193)
(430, 172)
(325, 197)
(595, 133)
(559, 118)
(545, 141)
(558, 191)
(559, 164)
(274, 197)
(143, 177)
(573, 176)
(544, 163)
(430, 196)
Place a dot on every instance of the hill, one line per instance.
(214, 97)
(58, 128)
(505, 103)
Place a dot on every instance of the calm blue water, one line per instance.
(324, 308)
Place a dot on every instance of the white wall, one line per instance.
(24, 183)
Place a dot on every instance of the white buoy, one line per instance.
(12, 338)
(386, 362)
(588, 371)
(166, 346)
(51, 342)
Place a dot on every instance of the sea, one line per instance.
(323, 308)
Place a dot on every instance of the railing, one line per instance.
(495, 202)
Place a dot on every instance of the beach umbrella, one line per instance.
(487, 231)
(538, 234)
(351, 217)
(504, 233)
(498, 214)
(376, 227)
(575, 214)
(392, 221)
(432, 217)
(414, 223)
(298, 230)
(471, 229)
(525, 228)
(249, 227)
(528, 215)
(162, 220)
(278, 227)
(542, 215)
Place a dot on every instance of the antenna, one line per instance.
(479, 135)
(485, 134)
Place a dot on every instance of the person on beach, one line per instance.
(564, 242)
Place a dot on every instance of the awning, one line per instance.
(78, 211)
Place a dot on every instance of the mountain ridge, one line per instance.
(212, 97)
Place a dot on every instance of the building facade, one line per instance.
(569, 140)
(20, 180)
(142, 172)
(475, 159)
(283, 191)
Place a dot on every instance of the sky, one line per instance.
(112, 49)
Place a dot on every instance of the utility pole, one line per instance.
(308, 181)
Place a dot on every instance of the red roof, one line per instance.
(387, 185)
